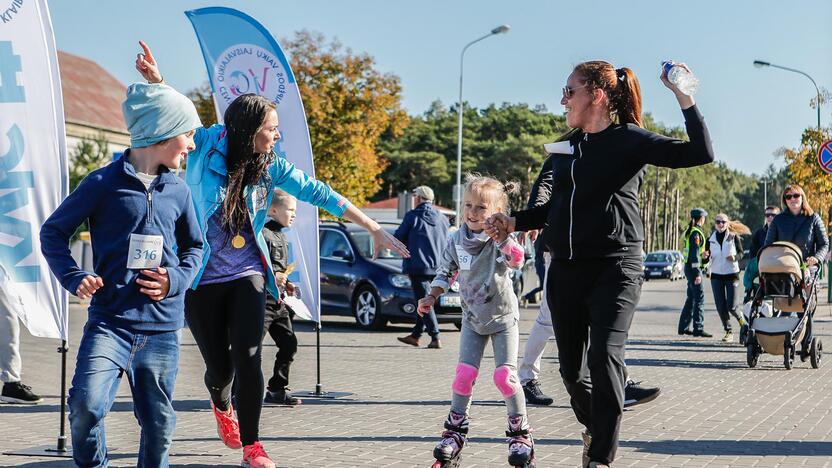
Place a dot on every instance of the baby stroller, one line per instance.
(793, 295)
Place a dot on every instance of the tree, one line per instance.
(204, 103)
(805, 171)
(88, 155)
(348, 104)
(504, 141)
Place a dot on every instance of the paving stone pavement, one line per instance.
(713, 411)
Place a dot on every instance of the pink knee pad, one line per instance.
(506, 381)
(466, 375)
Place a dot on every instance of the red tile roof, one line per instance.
(91, 95)
(384, 204)
(393, 203)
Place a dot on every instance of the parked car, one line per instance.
(664, 264)
(374, 292)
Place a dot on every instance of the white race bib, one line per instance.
(464, 258)
(145, 252)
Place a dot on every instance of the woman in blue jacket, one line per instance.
(232, 174)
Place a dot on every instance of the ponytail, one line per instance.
(626, 102)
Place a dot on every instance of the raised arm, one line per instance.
(672, 152)
(146, 65)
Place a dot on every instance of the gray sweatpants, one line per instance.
(504, 344)
(10, 364)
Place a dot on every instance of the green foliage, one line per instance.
(88, 155)
(505, 142)
(204, 103)
(804, 170)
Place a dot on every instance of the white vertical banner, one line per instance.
(243, 57)
(33, 164)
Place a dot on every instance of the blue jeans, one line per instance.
(421, 287)
(150, 361)
(694, 308)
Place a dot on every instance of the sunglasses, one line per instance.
(771, 215)
(719, 221)
(789, 196)
(569, 92)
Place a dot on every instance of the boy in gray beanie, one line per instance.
(147, 247)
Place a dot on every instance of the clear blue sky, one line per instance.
(751, 112)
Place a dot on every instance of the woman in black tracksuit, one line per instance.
(595, 234)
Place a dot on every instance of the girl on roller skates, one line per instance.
(490, 311)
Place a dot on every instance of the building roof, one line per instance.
(92, 96)
(393, 204)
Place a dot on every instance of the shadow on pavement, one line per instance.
(733, 447)
(118, 406)
(686, 364)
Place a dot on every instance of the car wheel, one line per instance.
(366, 308)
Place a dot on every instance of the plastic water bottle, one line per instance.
(683, 79)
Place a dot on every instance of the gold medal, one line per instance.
(238, 242)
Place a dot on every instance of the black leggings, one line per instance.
(226, 320)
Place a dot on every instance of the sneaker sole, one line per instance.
(248, 465)
(642, 401)
(18, 401)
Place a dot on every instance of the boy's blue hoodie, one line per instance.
(117, 204)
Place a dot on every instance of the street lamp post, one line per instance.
(498, 30)
(761, 64)
(765, 193)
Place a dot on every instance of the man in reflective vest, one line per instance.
(695, 259)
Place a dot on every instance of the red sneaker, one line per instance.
(255, 457)
(227, 427)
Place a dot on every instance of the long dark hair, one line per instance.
(620, 85)
(243, 119)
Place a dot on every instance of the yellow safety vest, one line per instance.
(687, 237)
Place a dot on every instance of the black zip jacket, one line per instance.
(592, 211)
(279, 253)
(808, 232)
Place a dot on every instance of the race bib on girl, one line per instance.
(145, 252)
(464, 258)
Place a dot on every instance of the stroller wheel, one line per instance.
(751, 355)
(788, 357)
(816, 352)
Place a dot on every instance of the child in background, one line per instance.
(490, 311)
(279, 316)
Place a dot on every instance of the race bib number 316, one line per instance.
(145, 252)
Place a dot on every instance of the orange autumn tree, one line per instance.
(348, 104)
(805, 171)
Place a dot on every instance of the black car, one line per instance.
(374, 292)
(664, 264)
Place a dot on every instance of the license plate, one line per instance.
(450, 301)
(655, 273)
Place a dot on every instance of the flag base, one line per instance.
(321, 394)
(49, 451)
